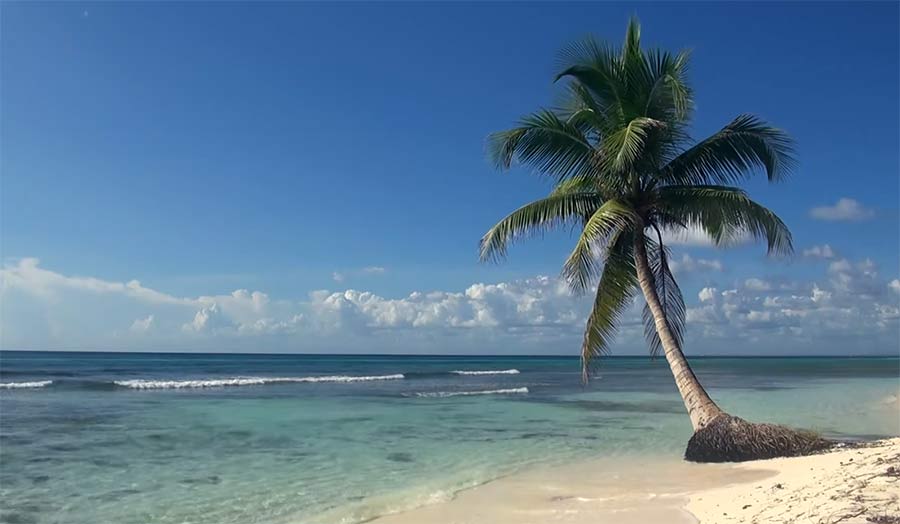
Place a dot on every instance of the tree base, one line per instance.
(732, 439)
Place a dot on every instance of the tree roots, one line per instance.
(732, 439)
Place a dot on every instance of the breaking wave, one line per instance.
(20, 385)
(487, 372)
(444, 394)
(245, 381)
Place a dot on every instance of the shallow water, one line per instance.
(135, 438)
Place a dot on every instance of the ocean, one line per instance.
(308, 439)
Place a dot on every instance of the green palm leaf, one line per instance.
(547, 143)
(725, 213)
(624, 147)
(582, 267)
(744, 146)
(615, 291)
(537, 217)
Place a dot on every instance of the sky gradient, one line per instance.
(312, 177)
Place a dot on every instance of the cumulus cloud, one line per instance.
(208, 319)
(851, 304)
(707, 294)
(43, 309)
(894, 285)
(824, 251)
(696, 237)
(687, 264)
(844, 210)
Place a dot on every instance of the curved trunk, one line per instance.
(700, 407)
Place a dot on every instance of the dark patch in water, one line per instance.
(116, 494)
(636, 407)
(346, 420)
(40, 460)
(13, 517)
(400, 456)
(544, 434)
(274, 442)
(63, 447)
(39, 479)
(211, 480)
(10, 440)
(239, 433)
(107, 463)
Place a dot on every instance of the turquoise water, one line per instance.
(137, 438)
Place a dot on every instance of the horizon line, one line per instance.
(429, 355)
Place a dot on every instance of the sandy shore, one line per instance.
(845, 486)
(849, 486)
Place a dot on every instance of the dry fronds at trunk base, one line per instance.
(732, 439)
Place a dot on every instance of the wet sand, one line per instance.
(595, 491)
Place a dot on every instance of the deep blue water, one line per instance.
(134, 438)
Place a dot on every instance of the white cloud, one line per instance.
(707, 294)
(696, 237)
(337, 277)
(845, 210)
(850, 311)
(209, 319)
(757, 284)
(374, 270)
(142, 325)
(42, 309)
(824, 251)
(687, 264)
(47, 283)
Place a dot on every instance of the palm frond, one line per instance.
(669, 97)
(631, 48)
(614, 294)
(584, 263)
(537, 217)
(725, 213)
(670, 298)
(596, 67)
(624, 147)
(580, 184)
(552, 146)
(737, 151)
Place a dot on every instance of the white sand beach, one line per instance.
(855, 485)
(851, 485)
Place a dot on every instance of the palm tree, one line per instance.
(626, 174)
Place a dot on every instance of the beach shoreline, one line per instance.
(847, 484)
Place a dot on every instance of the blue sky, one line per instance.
(291, 148)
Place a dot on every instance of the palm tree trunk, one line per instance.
(700, 407)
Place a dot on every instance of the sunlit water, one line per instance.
(126, 438)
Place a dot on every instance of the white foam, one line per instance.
(18, 385)
(442, 394)
(488, 372)
(244, 381)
